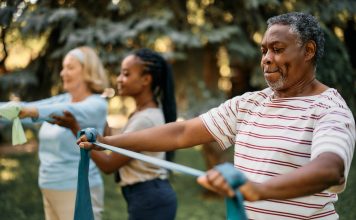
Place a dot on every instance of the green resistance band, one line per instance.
(10, 111)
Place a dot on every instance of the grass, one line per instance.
(20, 197)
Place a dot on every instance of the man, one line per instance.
(294, 140)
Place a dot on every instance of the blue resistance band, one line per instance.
(83, 208)
(234, 206)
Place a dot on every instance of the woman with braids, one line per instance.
(146, 77)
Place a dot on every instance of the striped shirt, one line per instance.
(276, 136)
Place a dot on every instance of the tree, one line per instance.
(188, 32)
(116, 27)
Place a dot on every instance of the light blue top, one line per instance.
(58, 152)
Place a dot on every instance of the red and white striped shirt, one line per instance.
(276, 136)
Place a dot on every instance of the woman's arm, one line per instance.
(320, 174)
(108, 163)
(89, 112)
(31, 109)
(28, 112)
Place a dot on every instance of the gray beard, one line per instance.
(276, 85)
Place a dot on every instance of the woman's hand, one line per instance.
(68, 121)
(26, 112)
(84, 143)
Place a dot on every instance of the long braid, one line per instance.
(162, 85)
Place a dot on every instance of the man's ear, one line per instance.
(310, 50)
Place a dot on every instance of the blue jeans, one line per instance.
(150, 200)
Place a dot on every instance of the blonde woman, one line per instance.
(84, 79)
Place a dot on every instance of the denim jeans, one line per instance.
(151, 200)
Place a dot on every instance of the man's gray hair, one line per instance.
(305, 26)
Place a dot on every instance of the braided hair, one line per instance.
(162, 84)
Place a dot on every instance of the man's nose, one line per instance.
(267, 58)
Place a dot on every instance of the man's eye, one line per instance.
(277, 50)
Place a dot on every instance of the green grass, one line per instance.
(20, 197)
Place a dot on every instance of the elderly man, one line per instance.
(294, 140)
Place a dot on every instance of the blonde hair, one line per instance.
(94, 72)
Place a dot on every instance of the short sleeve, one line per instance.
(138, 123)
(221, 122)
(335, 132)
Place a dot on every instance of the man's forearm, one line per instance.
(320, 174)
(163, 138)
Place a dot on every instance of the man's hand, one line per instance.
(214, 181)
(68, 121)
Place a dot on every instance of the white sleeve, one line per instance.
(335, 132)
(221, 122)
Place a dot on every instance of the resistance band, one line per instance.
(152, 160)
(11, 111)
(234, 206)
(83, 207)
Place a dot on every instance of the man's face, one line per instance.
(283, 58)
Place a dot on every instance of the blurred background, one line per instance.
(213, 46)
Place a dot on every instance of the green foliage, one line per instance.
(20, 198)
(6, 16)
(336, 71)
(201, 99)
(116, 29)
(19, 83)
